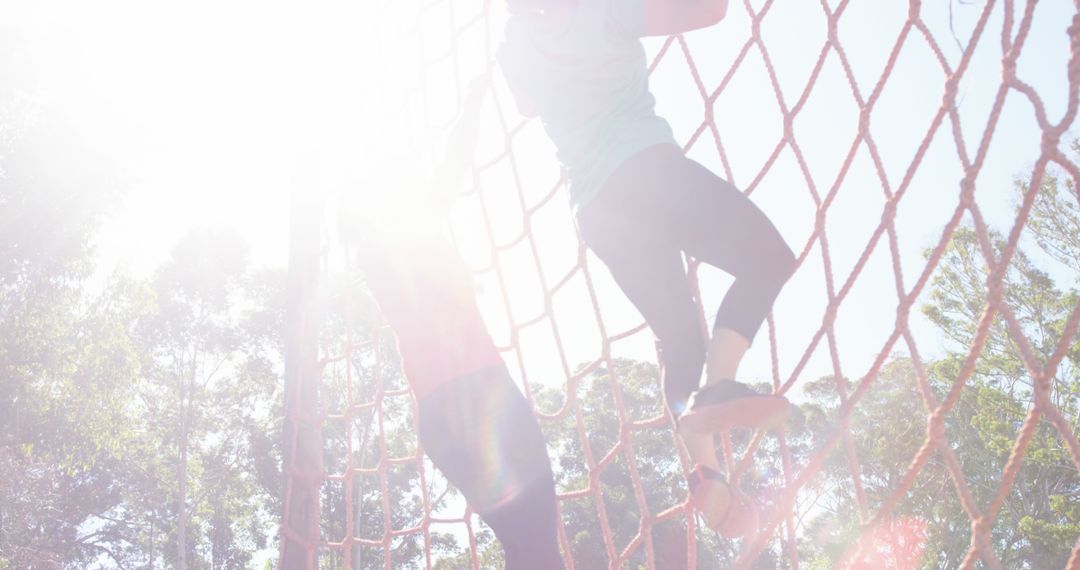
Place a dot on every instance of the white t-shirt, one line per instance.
(587, 78)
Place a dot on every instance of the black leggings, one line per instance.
(660, 204)
(480, 432)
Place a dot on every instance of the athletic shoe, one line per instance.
(722, 405)
(726, 510)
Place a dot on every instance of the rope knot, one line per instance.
(914, 7)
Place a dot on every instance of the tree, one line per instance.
(208, 391)
(886, 433)
(1039, 522)
(63, 361)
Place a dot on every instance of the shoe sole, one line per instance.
(751, 412)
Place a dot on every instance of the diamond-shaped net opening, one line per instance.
(876, 135)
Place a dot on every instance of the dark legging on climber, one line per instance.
(482, 434)
(649, 213)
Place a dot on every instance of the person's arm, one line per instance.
(460, 146)
(666, 17)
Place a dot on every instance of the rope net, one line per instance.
(358, 490)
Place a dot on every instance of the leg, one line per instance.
(738, 238)
(653, 277)
(634, 227)
(674, 204)
(721, 226)
(480, 433)
(726, 349)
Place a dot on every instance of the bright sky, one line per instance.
(207, 105)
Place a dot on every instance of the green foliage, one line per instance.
(489, 553)
(100, 390)
(1055, 217)
(208, 401)
(1038, 523)
(63, 362)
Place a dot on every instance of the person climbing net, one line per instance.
(473, 422)
(642, 205)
